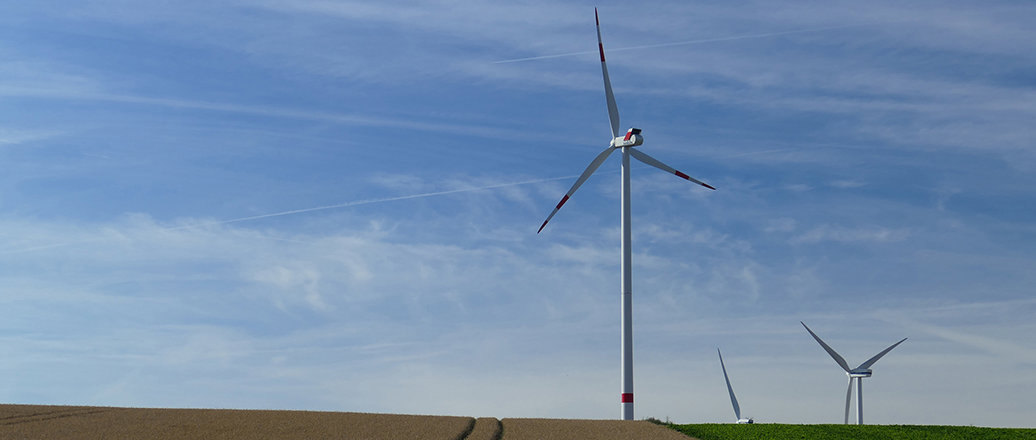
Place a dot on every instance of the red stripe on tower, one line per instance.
(627, 397)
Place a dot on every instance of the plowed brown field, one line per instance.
(80, 422)
(61, 422)
(557, 429)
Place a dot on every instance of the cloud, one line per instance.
(847, 184)
(874, 99)
(998, 346)
(828, 233)
(18, 137)
(677, 43)
(783, 224)
(50, 90)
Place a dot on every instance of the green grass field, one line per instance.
(765, 431)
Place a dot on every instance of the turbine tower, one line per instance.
(631, 139)
(733, 400)
(858, 373)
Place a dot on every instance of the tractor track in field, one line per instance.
(484, 428)
(43, 416)
(107, 423)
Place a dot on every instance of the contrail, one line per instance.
(544, 57)
(379, 200)
(684, 43)
(305, 210)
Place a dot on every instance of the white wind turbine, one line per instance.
(858, 373)
(626, 144)
(733, 400)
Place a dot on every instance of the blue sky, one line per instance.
(333, 206)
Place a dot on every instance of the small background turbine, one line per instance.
(858, 373)
(730, 389)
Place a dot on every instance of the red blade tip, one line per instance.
(562, 202)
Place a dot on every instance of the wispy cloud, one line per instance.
(828, 233)
(847, 184)
(680, 43)
(1002, 348)
(12, 137)
(266, 111)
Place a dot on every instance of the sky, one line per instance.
(332, 205)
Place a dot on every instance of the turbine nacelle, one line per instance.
(859, 372)
(631, 139)
(745, 421)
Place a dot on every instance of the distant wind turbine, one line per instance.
(858, 373)
(733, 400)
(626, 144)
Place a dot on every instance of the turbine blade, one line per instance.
(830, 351)
(874, 359)
(582, 178)
(643, 157)
(733, 400)
(613, 109)
(848, 398)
